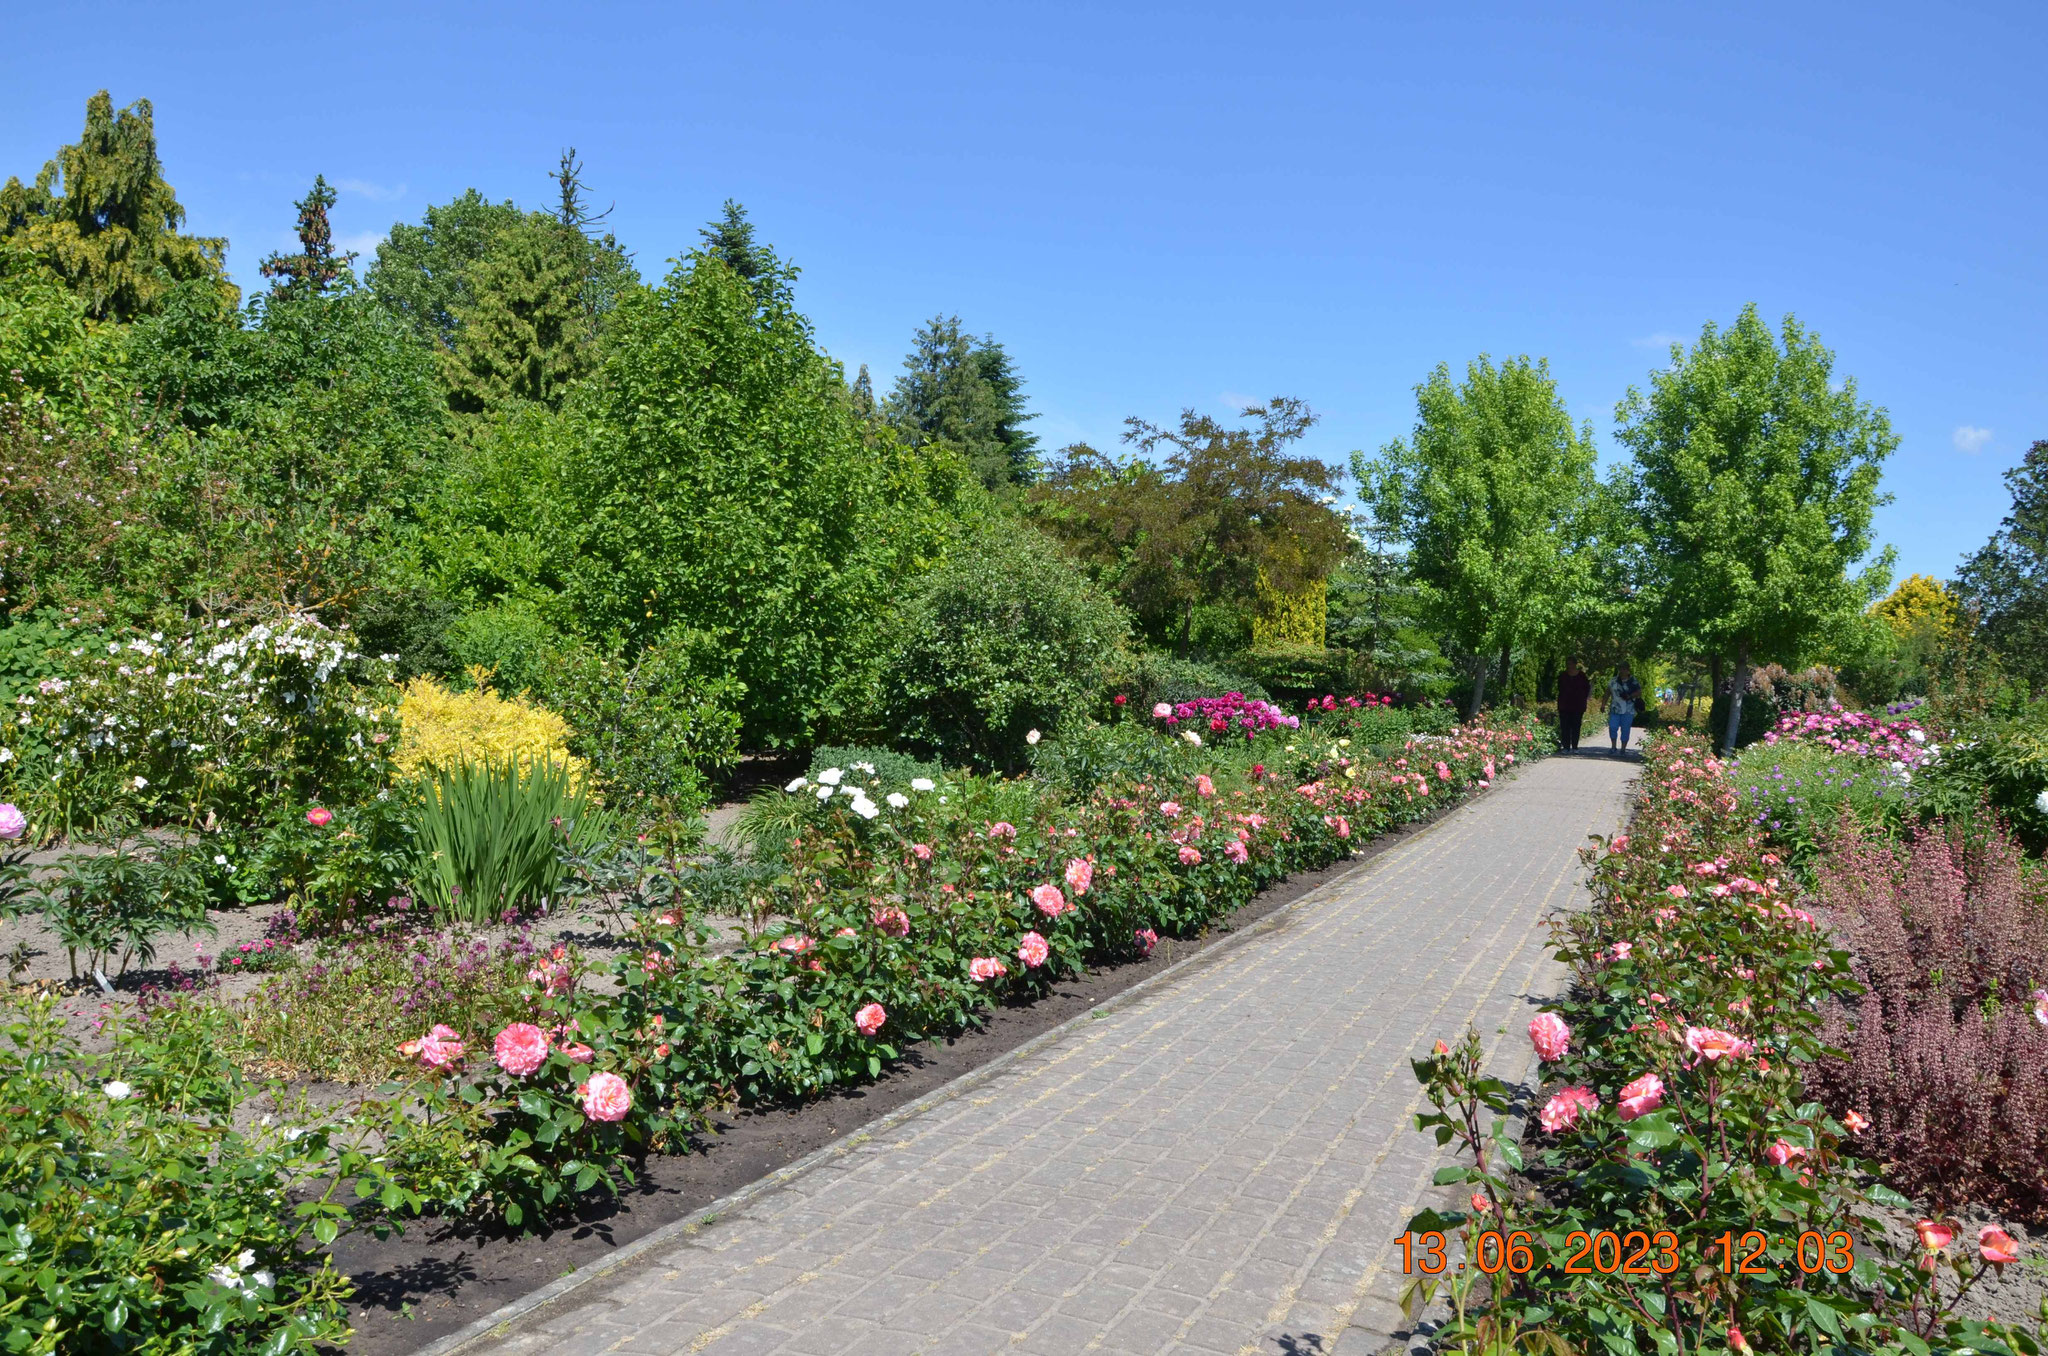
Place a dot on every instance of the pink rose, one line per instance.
(1676, 891)
(1934, 1236)
(1338, 825)
(1997, 1245)
(1621, 950)
(1203, 786)
(1641, 1097)
(1188, 856)
(1161, 710)
(794, 946)
(1169, 808)
(520, 1048)
(922, 851)
(553, 973)
(1480, 1205)
(1002, 829)
(1856, 1122)
(319, 817)
(1562, 1111)
(13, 823)
(1551, 1037)
(1049, 900)
(1236, 851)
(1080, 875)
(891, 920)
(1033, 950)
(983, 968)
(1783, 1152)
(579, 1053)
(2040, 996)
(606, 1097)
(1146, 939)
(1710, 1044)
(870, 1018)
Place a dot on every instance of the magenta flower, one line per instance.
(319, 816)
(13, 823)
(1146, 939)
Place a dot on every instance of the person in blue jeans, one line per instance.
(1623, 692)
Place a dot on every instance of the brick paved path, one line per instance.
(1218, 1166)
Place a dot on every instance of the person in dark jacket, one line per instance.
(1574, 689)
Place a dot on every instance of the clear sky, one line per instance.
(1197, 205)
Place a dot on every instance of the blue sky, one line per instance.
(1155, 207)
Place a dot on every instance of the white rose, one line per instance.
(141, 782)
(824, 793)
(117, 1091)
(1192, 738)
(797, 785)
(923, 784)
(830, 776)
(2041, 802)
(865, 808)
(897, 800)
(1031, 738)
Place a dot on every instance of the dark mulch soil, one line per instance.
(437, 1278)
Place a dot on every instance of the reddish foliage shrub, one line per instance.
(1944, 1053)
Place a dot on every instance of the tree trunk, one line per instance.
(1735, 697)
(1507, 659)
(1479, 668)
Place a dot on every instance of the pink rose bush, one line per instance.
(1681, 1071)
(521, 1048)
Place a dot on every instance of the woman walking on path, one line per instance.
(1574, 689)
(1624, 694)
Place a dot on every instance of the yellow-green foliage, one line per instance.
(440, 729)
(1920, 604)
(1300, 618)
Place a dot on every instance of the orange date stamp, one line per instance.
(1631, 1253)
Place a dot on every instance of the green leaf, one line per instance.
(326, 1230)
(1452, 1176)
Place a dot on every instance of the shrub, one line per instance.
(651, 724)
(440, 730)
(1005, 637)
(2000, 763)
(1797, 792)
(1944, 1051)
(885, 766)
(1085, 756)
(145, 1215)
(492, 836)
(1293, 672)
(327, 862)
(1154, 677)
(214, 726)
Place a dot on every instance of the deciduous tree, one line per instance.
(1754, 480)
(1489, 493)
(2004, 584)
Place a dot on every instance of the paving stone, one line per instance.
(1219, 1166)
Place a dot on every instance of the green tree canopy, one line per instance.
(421, 272)
(101, 218)
(1754, 479)
(728, 486)
(1223, 510)
(2004, 583)
(1489, 494)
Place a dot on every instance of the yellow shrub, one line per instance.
(439, 728)
(1299, 618)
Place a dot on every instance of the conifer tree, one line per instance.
(864, 394)
(101, 218)
(730, 240)
(421, 273)
(524, 330)
(316, 267)
(965, 395)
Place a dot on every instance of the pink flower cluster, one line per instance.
(1231, 710)
(1856, 734)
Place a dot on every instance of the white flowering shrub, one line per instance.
(207, 729)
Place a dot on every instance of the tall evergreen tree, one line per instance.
(965, 395)
(730, 240)
(864, 394)
(101, 218)
(316, 267)
(524, 330)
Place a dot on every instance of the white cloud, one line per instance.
(1236, 403)
(1660, 341)
(1970, 440)
(362, 242)
(363, 188)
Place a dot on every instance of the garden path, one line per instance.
(1218, 1164)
